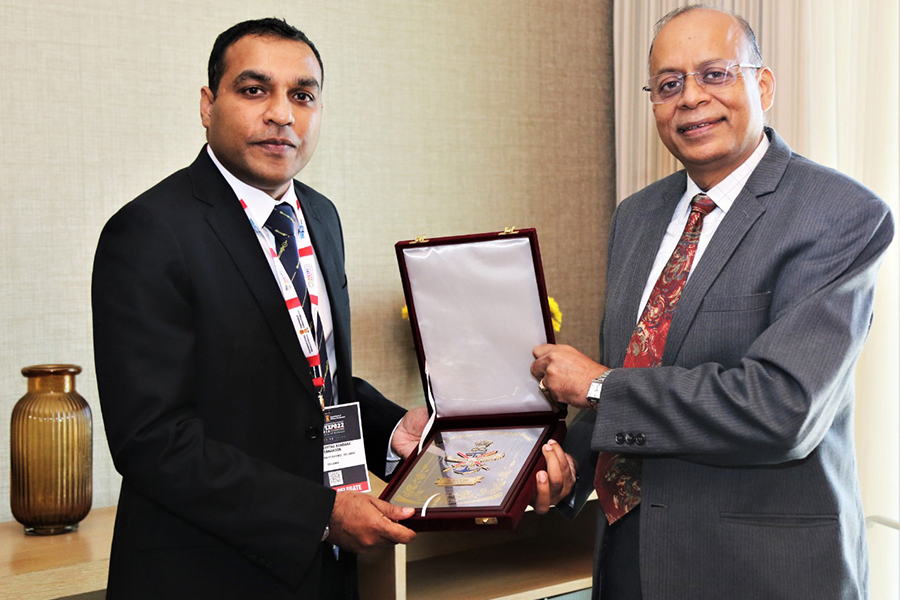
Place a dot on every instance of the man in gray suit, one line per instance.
(739, 295)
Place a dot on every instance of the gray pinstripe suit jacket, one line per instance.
(749, 487)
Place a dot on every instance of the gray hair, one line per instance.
(749, 35)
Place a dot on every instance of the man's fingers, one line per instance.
(392, 531)
(396, 533)
(541, 501)
(537, 369)
(554, 467)
(360, 523)
(573, 466)
(394, 513)
(542, 349)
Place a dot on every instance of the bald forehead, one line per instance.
(706, 34)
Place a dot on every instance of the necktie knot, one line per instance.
(281, 221)
(281, 224)
(702, 204)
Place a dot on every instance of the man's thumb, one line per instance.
(395, 513)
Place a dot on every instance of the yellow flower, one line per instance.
(555, 314)
(404, 312)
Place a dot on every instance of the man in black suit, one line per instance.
(211, 405)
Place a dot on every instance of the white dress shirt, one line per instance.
(260, 206)
(723, 194)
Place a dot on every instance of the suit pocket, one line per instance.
(723, 329)
(736, 303)
(767, 556)
(778, 520)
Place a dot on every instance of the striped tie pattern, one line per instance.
(282, 222)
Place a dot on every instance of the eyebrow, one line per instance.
(308, 82)
(699, 66)
(251, 75)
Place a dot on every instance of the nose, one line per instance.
(279, 111)
(693, 93)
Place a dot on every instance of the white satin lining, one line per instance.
(479, 315)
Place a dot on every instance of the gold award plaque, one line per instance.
(467, 468)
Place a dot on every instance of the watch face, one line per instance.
(594, 390)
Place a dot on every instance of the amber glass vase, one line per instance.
(51, 452)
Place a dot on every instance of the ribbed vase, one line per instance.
(50, 437)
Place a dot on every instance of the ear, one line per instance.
(766, 82)
(207, 99)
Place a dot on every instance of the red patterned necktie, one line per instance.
(618, 476)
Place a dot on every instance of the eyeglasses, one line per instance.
(716, 74)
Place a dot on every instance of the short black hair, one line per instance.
(268, 27)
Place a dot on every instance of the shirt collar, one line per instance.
(727, 190)
(259, 203)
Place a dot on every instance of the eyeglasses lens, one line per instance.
(668, 86)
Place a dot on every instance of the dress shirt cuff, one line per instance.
(393, 459)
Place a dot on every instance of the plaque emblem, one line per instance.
(465, 463)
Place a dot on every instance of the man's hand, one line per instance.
(407, 435)
(557, 481)
(565, 372)
(360, 522)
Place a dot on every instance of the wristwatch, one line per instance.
(593, 395)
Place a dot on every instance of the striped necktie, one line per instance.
(282, 224)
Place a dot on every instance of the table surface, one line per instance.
(45, 567)
(48, 568)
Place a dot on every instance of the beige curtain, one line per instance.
(837, 102)
(853, 60)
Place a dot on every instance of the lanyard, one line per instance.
(308, 340)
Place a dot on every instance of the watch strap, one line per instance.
(593, 396)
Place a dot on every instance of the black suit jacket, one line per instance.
(210, 412)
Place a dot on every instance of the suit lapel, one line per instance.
(743, 214)
(636, 263)
(746, 210)
(327, 244)
(229, 222)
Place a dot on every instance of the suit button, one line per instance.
(640, 439)
(629, 438)
(620, 438)
(312, 432)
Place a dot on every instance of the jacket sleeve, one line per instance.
(380, 416)
(779, 399)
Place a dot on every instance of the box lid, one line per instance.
(477, 306)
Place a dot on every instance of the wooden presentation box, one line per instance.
(477, 306)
